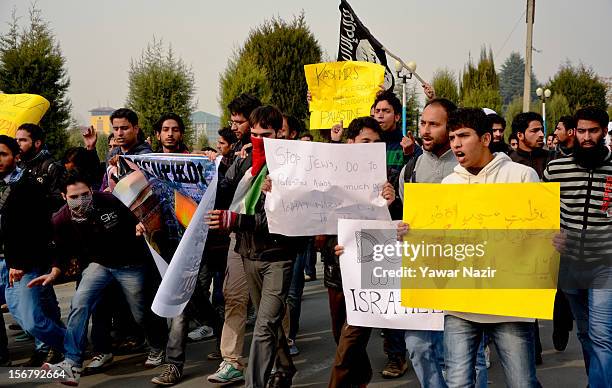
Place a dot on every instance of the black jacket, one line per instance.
(47, 174)
(25, 222)
(536, 159)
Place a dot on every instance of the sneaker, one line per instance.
(23, 337)
(155, 358)
(487, 354)
(293, 349)
(170, 376)
(36, 360)
(99, 362)
(200, 333)
(226, 373)
(560, 339)
(396, 367)
(280, 380)
(68, 372)
(4, 309)
(53, 357)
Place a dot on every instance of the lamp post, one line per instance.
(543, 94)
(411, 67)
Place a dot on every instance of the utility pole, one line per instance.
(528, 52)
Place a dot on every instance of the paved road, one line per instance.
(560, 369)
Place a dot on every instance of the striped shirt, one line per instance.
(586, 208)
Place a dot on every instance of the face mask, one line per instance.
(258, 155)
(80, 207)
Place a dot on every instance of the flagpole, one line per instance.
(411, 69)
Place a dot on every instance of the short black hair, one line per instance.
(391, 98)
(228, 135)
(568, 122)
(35, 131)
(125, 113)
(521, 121)
(306, 134)
(294, 124)
(10, 143)
(358, 124)
(244, 104)
(169, 116)
(73, 177)
(83, 160)
(473, 118)
(593, 113)
(494, 118)
(268, 117)
(512, 137)
(446, 104)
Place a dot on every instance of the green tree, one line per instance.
(515, 107)
(580, 85)
(556, 106)
(479, 84)
(159, 83)
(445, 85)
(511, 79)
(31, 62)
(242, 75)
(278, 50)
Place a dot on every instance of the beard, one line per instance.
(592, 157)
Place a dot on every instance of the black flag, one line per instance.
(357, 44)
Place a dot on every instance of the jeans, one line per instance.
(514, 342)
(94, 280)
(36, 310)
(592, 310)
(268, 285)
(294, 299)
(425, 349)
(310, 259)
(4, 355)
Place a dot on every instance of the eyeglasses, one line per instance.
(231, 123)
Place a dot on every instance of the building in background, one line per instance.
(205, 124)
(100, 119)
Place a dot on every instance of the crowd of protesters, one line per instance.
(59, 221)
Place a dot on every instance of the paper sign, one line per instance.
(315, 184)
(520, 206)
(371, 306)
(17, 109)
(342, 91)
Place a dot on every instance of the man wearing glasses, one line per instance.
(240, 109)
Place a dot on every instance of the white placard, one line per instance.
(376, 307)
(315, 184)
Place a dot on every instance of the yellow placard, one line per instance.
(483, 206)
(17, 109)
(342, 91)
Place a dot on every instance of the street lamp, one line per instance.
(543, 94)
(411, 67)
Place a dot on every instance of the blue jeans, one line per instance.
(296, 290)
(592, 310)
(94, 280)
(482, 374)
(514, 342)
(36, 310)
(426, 352)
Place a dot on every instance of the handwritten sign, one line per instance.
(518, 206)
(17, 109)
(315, 184)
(370, 305)
(341, 91)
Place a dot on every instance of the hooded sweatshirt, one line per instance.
(500, 170)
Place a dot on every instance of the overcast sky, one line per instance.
(98, 38)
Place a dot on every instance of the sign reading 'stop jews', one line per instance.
(315, 184)
(342, 91)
